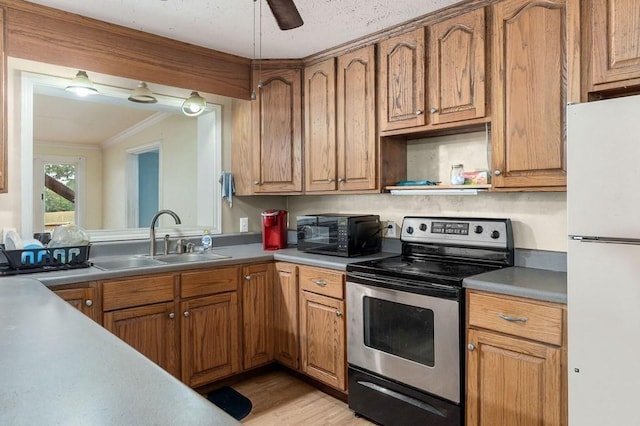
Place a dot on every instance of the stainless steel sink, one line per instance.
(107, 264)
(190, 257)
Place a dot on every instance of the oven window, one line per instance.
(402, 330)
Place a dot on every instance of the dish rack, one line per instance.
(46, 259)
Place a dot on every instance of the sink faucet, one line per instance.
(152, 228)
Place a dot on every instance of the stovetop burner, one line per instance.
(403, 267)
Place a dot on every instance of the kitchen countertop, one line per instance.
(539, 284)
(60, 368)
(238, 254)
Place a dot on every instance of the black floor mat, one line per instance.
(233, 402)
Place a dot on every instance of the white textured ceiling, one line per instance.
(228, 25)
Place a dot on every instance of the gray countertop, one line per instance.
(60, 368)
(540, 284)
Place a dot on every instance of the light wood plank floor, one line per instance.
(281, 399)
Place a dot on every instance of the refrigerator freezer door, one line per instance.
(604, 333)
(603, 168)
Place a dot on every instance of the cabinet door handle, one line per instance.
(321, 283)
(247, 277)
(470, 346)
(186, 313)
(512, 319)
(256, 182)
(419, 112)
(338, 314)
(331, 179)
(340, 179)
(433, 110)
(88, 302)
(497, 172)
(172, 315)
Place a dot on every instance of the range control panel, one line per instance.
(495, 233)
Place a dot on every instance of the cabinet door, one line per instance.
(210, 338)
(530, 93)
(512, 381)
(277, 112)
(457, 68)
(357, 139)
(285, 315)
(402, 81)
(615, 25)
(322, 336)
(257, 314)
(320, 126)
(83, 299)
(151, 330)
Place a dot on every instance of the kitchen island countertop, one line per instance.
(60, 368)
(539, 284)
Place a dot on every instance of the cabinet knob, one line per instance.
(338, 314)
(256, 182)
(470, 346)
(433, 110)
(340, 179)
(321, 283)
(88, 302)
(186, 313)
(247, 277)
(172, 315)
(331, 179)
(419, 112)
(497, 172)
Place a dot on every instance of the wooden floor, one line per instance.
(281, 399)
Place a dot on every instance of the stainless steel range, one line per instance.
(406, 319)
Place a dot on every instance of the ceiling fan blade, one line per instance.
(286, 14)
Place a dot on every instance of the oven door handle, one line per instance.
(427, 289)
(405, 398)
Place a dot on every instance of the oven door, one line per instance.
(407, 337)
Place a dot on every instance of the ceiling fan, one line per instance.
(286, 14)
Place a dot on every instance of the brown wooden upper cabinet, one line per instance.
(533, 80)
(615, 54)
(277, 120)
(321, 151)
(356, 135)
(341, 149)
(442, 82)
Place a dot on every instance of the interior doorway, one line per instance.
(143, 184)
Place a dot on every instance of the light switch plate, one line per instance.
(244, 224)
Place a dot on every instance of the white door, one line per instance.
(604, 333)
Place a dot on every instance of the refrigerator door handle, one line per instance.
(605, 240)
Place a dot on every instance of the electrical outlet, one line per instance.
(391, 229)
(244, 224)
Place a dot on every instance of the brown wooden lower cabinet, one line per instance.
(516, 362)
(322, 339)
(257, 314)
(151, 330)
(285, 315)
(210, 338)
(83, 297)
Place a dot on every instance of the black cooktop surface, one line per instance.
(446, 272)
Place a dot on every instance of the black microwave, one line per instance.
(339, 234)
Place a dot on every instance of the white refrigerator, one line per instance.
(603, 262)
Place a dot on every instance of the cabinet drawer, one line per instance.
(322, 281)
(212, 281)
(531, 320)
(136, 292)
